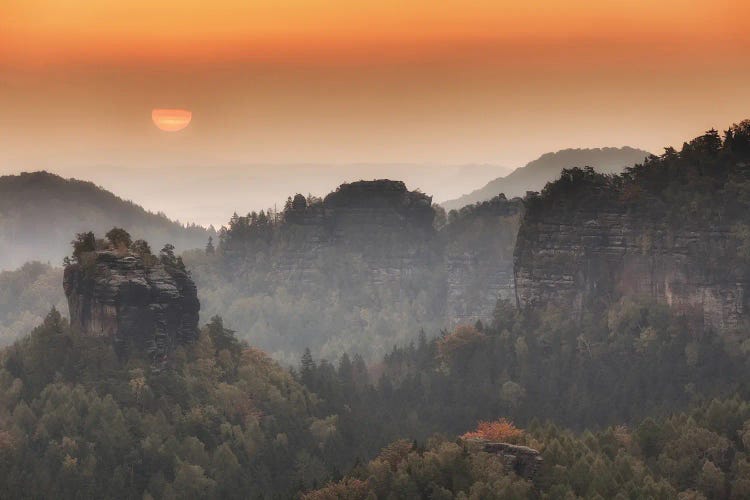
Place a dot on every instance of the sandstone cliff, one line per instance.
(386, 236)
(360, 270)
(387, 227)
(142, 304)
(674, 229)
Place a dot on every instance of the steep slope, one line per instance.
(39, 212)
(547, 168)
(674, 229)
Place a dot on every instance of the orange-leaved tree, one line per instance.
(460, 343)
(499, 430)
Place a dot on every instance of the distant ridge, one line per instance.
(39, 211)
(547, 167)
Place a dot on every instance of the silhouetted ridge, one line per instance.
(547, 168)
(41, 210)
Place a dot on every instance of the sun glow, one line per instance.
(171, 120)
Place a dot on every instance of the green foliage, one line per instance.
(692, 459)
(84, 243)
(639, 359)
(168, 258)
(119, 238)
(26, 295)
(225, 421)
(222, 420)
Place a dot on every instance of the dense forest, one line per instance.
(225, 421)
(701, 454)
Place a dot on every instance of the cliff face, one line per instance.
(387, 227)
(363, 269)
(587, 243)
(583, 258)
(141, 307)
(467, 265)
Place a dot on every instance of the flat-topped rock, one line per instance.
(142, 304)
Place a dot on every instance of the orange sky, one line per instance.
(51, 31)
(428, 82)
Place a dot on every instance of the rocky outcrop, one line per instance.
(522, 460)
(141, 304)
(391, 230)
(381, 237)
(389, 227)
(582, 254)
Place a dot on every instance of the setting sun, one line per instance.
(171, 120)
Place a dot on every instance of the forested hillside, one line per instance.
(639, 360)
(534, 175)
(701, 454)
(39, 212)
(224, 421)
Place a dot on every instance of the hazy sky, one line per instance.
(319, 82)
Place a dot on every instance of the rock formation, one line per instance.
(379, 236)
(381, 221)
(522, 460)
(585, 249)
(142, 304)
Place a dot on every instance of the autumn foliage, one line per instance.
(462, 339)
(346, 489)
(396, 452)
(499, 430)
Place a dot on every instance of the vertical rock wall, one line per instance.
(149, 308)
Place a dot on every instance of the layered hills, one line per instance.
(373, 263)
(534, 175)
(40, 212)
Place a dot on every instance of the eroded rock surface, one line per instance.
(580, 255)
(381, 237)
(149, 308)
